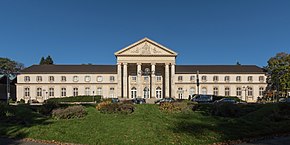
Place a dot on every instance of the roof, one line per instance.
(211, 69)
(110, 69)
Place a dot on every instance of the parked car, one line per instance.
(202, 98)
(164, 100)
(226, 100)
(138, 101)
(284, 100)
(115, 100)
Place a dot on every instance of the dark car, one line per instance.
(226, 100)
(115, 100)
(139, 101)
(164, 100)
(202, 98)
(284, 100)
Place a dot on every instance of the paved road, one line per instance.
(274, 141)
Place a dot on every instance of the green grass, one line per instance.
(147, 125)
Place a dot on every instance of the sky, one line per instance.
(202, 32)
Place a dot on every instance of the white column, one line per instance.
(139, 82)
(153, 79)
(166, 80)
(173, 81)
(119, 81)
(125, 80)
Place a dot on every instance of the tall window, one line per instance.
(215, 91)
(51, 78)
(192, 78)
(38, 78)
(261, 78)
(87, 91)
(250, 78)
(63, 92)
(38, 92)
(227, 91)
(133, 92)
(112, 78)
(76, 92)
(227, 78)
(191, 91)
(239, 92)
(179, 78)
(51, 92)
(215, 78)
(261, 91)
(26, 92)
(146, 92)
(250, 91)
(26, 78)
(99, 91)
(238, 78)
(158, 92)
(112, 92)
(203, 78)
(180, 93)
(87, 78)
(63, 78)
(75, 78)
(203, 90)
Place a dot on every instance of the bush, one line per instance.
(21, 101)
(182, 106)
(69, 112)
(109, 107)
(77, 99)
(47, 107)
(226, 110)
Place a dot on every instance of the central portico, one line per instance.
(146, 69)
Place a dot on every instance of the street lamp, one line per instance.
(146, 73)
(93, 96)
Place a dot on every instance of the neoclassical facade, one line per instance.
(144, 69)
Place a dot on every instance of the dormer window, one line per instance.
(75, 78)
(51, 78)
(27, 79)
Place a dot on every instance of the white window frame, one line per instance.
(216, 91)
(63, 92)
(51, 92)
(87, 91)
(133, 92)
(38, 92)
(227, 91)
(39, 78)
(26, 78)
(158, 92)
(75, 91)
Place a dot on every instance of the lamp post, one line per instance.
(146, 73)
(93, 96)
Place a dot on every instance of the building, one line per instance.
(144, 69)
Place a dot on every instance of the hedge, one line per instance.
(76, 99)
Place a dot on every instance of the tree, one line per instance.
(9, 66)
(42, 61)
(278, 69)
(47, 60)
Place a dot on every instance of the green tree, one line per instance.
(10, 66)
(42, 61)
(278, 69)
(47, 60)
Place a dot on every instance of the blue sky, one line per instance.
(90, 31)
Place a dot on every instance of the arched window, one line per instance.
(261, 91)
(239, 92)
(215, 91)
(203, 90)
(227, 91)
(191, 91)
(38, 92)
(180, 93)
(133, 92)
(146, 92)
(158, 92)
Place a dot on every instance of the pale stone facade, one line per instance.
(144, 69)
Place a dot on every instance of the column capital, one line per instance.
(166, 64)
(119, 63)
(153, 63)
(139, 63)
(125, 63)
(172, 63)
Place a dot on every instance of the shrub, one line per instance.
(226, 110)
(77, 99)
(181, 106)
(126, 108)
(47, 107)
(21, 101)
(69, 112)
(109, 107)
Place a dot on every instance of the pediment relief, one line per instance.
(146, 47)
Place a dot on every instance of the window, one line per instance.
(203, 78)
(99, 91)
(87, 91)
(250, 78)
(26, 92)
(192, 78)
(51, 92)
(261, 78)
(261, 91)
(158, 92)
(75, 91)
(112, 92)
(227, 91)
(227, 78)
(250, 91)
(203, 90)
(133, 92)
(238, 78)
(180, 93)
(134, 78)
(179, 78)
(112, 78)
(63, 78)
(215, 91)
(51, 78)
(26, 78)
(87, 78)
(146, 92)
(158, 78)
(146, 78)
(38, 92)
(38, 78)
(63, 92)
(239, 92)
(215, 78)
(75, 78)
(99, 78)
(191, 91)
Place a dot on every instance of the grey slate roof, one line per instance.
(102, 69)
(211, 69)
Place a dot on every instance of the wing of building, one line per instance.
(144, 69)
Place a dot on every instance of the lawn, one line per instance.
(147, 125)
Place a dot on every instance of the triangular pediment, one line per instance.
(146, 47)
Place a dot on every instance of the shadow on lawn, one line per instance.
(14, 121)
